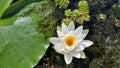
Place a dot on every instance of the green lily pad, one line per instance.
(4, 4)
(21, 46)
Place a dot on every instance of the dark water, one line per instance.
(104, 33)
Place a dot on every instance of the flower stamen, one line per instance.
(69, 40)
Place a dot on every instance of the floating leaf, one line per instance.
(16, 7)
(7, 21)
(4, 4)
(21, 46)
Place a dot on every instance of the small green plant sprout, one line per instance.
(68, 13)
(76, 13)
(62, 3)
(83, 7)
(117, 22)
(79, 15)
(101, 17)
(67, 21)
(84, 12)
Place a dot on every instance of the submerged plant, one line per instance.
(70, 42)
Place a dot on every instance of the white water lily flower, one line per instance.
(70, 42)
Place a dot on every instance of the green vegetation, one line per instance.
(62, 3)
(26, 26)
(79, 15)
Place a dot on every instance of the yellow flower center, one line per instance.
(70, 40)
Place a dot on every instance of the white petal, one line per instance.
(79, 48)
(54, 40)
(85, 31)
(58, 49)
(86, 43)
(71, 26)
(80, 37)
(75, 54)
(60, 34)
(64, 29)
(78, 31)
(68, 58)
(70, 48)
(82, 54)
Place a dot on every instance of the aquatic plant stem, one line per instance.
(67, 66)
